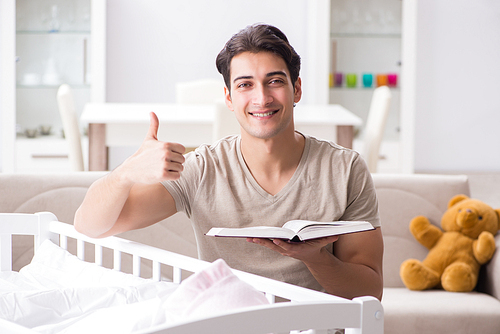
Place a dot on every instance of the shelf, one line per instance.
(54, 33)
(365, 35)
(74, 86)
(360, 88)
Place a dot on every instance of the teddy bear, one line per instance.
(456, 252)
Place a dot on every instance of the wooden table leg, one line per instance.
(98, 153)
(345, 135)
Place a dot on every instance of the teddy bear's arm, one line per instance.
(424, 232)
(484, 247)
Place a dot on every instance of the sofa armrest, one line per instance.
(489, 280)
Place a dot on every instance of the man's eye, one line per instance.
(243, 85)
(277, 81)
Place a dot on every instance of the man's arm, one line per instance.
(131, 196)
(354, 269)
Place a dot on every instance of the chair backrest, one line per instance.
(225, 123)
(209, 91)
(67, 110)
(199, 91)
(375, 125)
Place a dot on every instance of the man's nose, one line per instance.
(262, 96)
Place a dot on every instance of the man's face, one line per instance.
(262, 94)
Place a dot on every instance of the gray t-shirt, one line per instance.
(216, 189)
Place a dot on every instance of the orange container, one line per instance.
(381, 80)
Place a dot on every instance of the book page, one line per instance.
(297, 225)
(256, 231)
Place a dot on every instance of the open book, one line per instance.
(294, 230)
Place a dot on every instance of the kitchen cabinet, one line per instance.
(45, 154)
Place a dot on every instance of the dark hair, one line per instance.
(257, 38)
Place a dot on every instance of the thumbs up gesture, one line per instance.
(154, 161)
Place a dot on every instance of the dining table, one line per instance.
(126, 124)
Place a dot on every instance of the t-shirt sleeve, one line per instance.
(362, 201)
(185, 188)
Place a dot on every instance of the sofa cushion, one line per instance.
(402, 197)
(60, 194)
(439, 311)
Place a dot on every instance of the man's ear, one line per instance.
(297, 90)
(227, 98)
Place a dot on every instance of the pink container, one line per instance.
(392, 80)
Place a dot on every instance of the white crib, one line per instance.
(308, 309)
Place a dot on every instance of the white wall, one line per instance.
(153, 44)
(458, 86)
(457, 64)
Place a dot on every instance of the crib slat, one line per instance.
(271, 298)
(63, 242)
(5, 252)
(156, 266)
(98, 255)
(117, 260)
(80, 249)
(136, 265)
(177, 274)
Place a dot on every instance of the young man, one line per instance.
(266, 176)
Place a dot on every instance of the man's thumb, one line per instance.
(154, 123)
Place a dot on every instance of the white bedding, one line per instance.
(58, 293)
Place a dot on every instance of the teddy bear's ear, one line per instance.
(498, 216)
(456, 199)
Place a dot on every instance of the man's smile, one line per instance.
(263, 114)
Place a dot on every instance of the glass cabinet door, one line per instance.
(52, 47)
(365, 37)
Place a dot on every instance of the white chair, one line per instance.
(225, 123)
(375, 125)
(199, 91)
(67, 110)
(208, 91)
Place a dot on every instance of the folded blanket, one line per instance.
(59, 293)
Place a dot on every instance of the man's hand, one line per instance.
(355, 269)
(155, 161)
(307, 251)
(131, 197)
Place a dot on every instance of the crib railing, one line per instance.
(178, 263)
(45, 226)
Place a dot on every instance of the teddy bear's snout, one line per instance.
(466, 218)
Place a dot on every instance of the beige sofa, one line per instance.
(401, 197)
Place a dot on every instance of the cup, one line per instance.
(367, 80)
(392, 79)
(351, 80)
(45, 130)
(338, 79)
(31, 133)
(381, 80)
